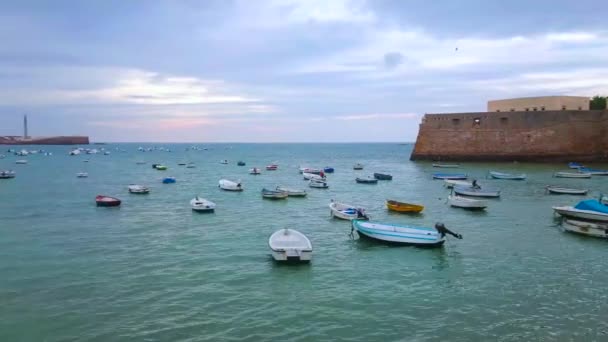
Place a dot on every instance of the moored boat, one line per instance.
(574, 165)
(466, 203)
(585, 228)
(476, 191)
(566, 191)
(229, 185)
(241, 163)
(202, 205)
(572, 175)
(225, 161)
(318, 184)
(382, 176)
(274, 194)
(6, 174)
(160, 167)
(328, 169)
(272, 167)
(254, 171)
(290, 245)
(453, 176)
(138, 189)
(593, 172)
(169, 180)
(591, 209)
(446, 166)
(404, 234)
(358, 166)
(346, 211)
(191, 165)
(450, 183)
(82, 175)
(509, 176)
(403, 207)
(292, 192)
(107, 201)
(367, 180)
(21, 161)
(312, 176)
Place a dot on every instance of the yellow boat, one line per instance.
(403, 207)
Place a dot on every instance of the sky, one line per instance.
(285, 71)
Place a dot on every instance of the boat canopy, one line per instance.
(592, 205)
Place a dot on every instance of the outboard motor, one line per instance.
(441, 228)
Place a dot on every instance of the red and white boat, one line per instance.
(272, 167)
(107, 201)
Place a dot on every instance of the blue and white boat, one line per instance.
(476, 191)
(510, 176)
(593, 171)
(460, 176)
(590, 209)
(403, 234)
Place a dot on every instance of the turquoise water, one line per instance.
(152, 270)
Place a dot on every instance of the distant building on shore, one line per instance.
(550, 128)
(54, 140)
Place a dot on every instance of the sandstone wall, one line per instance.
(509, 136)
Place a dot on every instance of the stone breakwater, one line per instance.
(58, 140)
(535, 136)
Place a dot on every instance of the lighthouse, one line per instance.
(25, 136)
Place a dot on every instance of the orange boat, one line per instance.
(403, 207)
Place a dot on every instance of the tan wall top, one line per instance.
(543, 103)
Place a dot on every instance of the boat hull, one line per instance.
(582, 214)
(289, 245)
(566, 191)
(401, 207)
(383, 176)
(283, 256)
(585, 228)
(506, 176)
(466, 203)
(571, 175)
(476, 193)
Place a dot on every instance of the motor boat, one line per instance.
(404, 234)
(591, 209)
(181, 163)
(383, 176)
(107, 201)
(466, 203)
(585, 228)
(318, 184)
(190, 165)
(403, 207)
(21, 161)
(346, 211)
(228, 185)
(358, 166)
(272, 167)
(138, 189)
(169, 180)
(254, 171)
(82, 175)
(290, 245)
(6, 174)
(160, 167)
(509, 176)
(310, 170)
(368, 180)
(453, 176)
(274, 194)
(450, 183)
(241, 163)
(292, 192)
(571, 175)
(566, 191)
(202, 205)
(225, 161)
(328, 169)
(476, 191)
(312, 176)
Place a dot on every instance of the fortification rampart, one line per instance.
(514, 136)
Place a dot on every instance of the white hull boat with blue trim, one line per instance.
(571, 175)
(586, 228)
(569, 211)
(476, 192)
(466, 203)
(230, 185)
(290, 245)
(346, 211)
(450, 183)
(312, 176)
(565, 191)
(202, 205)
(501, 175)
(403, 234)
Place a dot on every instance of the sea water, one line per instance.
(152, 270)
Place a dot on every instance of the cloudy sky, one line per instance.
(285, 70)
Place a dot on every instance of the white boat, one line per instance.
(571, 175)
(74, 152)
(358, 166)
(290, 245)
(202, 205)
(82, 175)
(230, 185)
(21, 161)
(569, 211)
(403, 234)
(138, 189)
(466, 203)
(225, 161)
(446, 166)
(309, 170)
(586, 228)
(501, 175)
(318, 184)
(254, 171)
(346, 211)
(312, 176)
(274, 194)
(6, 174)
(566, 191)
(450, 183)
(476, 192)
(190, 165)
(292, 192)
